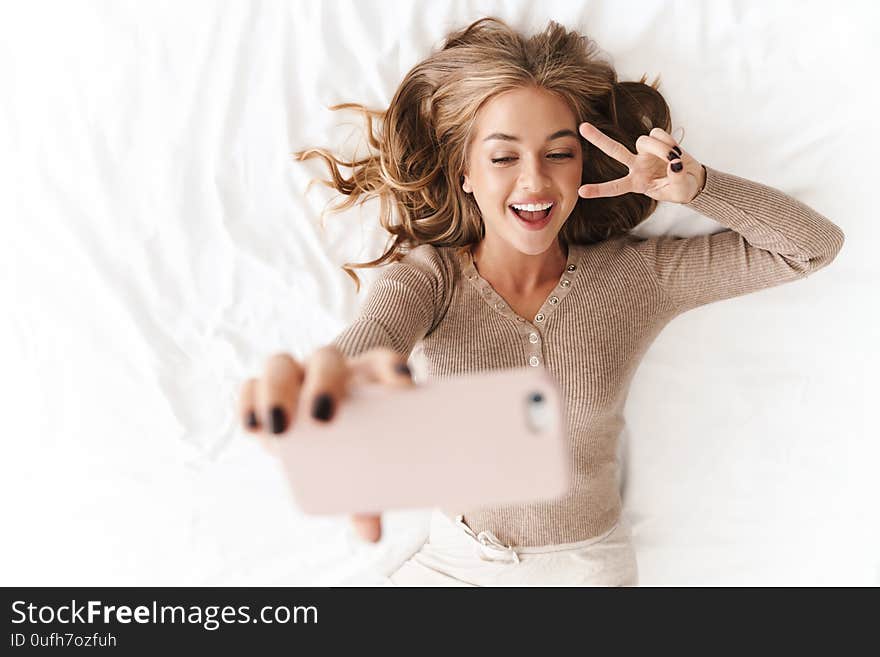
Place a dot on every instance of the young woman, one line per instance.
(509, 171)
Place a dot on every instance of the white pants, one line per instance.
(455, 556)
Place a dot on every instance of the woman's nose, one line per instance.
(532, 174)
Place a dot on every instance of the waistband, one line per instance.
(492, 549)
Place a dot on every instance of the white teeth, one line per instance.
(532, 207)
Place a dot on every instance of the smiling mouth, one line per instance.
(538, 215)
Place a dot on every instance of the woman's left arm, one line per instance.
(772, 237)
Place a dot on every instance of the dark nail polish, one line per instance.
(403, 369)
(676, 149)
(676, 166)
(252, 420)
(279, 421)
(671, 156)
(323, 408)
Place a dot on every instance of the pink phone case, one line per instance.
(495, 437)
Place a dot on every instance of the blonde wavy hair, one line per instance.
(422, 139)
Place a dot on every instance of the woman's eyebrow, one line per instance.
(555, 135)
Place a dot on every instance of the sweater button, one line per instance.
(534, 362)
(533, 337)
(565, 282)
(554, 300)
(539, 317)
(571, 268)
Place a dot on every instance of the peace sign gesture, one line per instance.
(660, 170)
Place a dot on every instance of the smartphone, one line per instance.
(494, 437)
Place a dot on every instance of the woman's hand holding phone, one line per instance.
(289, 393)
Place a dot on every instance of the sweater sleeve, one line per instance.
(402, 306)
(771, 239)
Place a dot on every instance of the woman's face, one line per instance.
(526, 150)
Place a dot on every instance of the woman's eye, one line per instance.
(556, 156)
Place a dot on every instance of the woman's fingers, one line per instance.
(288, 393)
(666, 139)
(654, 146)
(661, 135)
(277, 393)
(325, 385)
(367, 526)
(640, 179)
(611, 188)
(247, 406)
(606, 144)
(267, 405)
(380, 365)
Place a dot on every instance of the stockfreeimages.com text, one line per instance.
(210, 617)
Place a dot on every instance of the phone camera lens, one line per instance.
(536, 413)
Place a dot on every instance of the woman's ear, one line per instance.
(466, 185)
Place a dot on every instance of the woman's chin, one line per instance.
(535, 245)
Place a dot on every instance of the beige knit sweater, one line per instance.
(593, 329)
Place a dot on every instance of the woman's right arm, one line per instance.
(402, 306)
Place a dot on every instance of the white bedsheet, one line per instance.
(158, 246)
